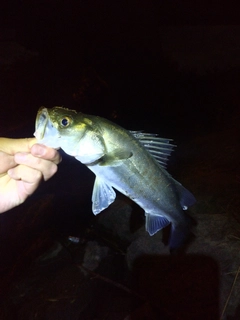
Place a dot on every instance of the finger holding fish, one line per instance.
(32, 167)
(7, 162)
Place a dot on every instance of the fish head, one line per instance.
(52, 126)
(70, 130)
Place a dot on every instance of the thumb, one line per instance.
(12, 146)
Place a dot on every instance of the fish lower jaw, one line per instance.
(38, 135)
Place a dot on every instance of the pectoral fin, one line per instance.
(89, 158)
(155, 223)
(115, 158)
(103, 195)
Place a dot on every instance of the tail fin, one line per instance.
(180, 234)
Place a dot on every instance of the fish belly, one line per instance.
(153, 191)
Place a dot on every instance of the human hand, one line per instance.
(23, 165)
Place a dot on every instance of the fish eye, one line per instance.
(66, 121)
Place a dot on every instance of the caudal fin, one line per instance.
(180, 234)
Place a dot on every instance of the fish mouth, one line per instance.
(45, 131)
(41, 123)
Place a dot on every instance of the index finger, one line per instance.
(44, 152)
(6, 161)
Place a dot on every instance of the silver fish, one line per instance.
(132, 162)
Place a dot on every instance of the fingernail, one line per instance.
(39, 150)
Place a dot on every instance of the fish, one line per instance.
(132, 162)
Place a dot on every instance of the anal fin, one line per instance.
(154, 223)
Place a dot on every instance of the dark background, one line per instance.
(122, 60)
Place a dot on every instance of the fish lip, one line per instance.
(45, 130)
(41, 123)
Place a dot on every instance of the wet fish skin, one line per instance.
(122, 160)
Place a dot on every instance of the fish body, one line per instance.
(131, 162)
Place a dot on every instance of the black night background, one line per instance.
(166, 67)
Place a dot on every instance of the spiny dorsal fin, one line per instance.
(159, 148)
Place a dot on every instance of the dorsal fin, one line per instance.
(159, 148)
